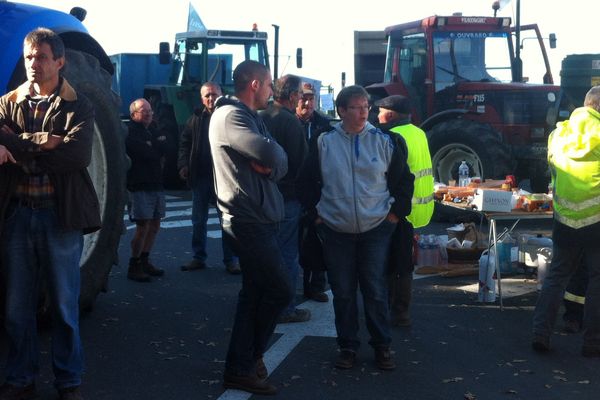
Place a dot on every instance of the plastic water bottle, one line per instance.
(463, 174)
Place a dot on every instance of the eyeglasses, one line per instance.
(359, 108)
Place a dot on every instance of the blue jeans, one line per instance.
(33, 245)
(202, 193)
(288, 243)
(266, 291)
(354, 259)
(565, 260)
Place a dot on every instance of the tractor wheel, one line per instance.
(451, 142)
(107, 170)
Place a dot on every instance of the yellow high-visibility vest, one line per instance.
(574, 156)
(419, 162)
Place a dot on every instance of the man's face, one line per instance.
(143, 113)
(264, 92)
(306, 106)
(355, 115)
(209, 95)
(40, 66)
(384, 116)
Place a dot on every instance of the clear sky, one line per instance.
(324, 29)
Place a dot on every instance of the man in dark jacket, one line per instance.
(47, 204)
(248, 163)
(195, 166)
(146, 148)
(286, 129)
(310, 252)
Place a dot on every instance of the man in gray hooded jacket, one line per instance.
(248, 162)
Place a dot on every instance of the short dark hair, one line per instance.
(246, 72)
(285, 86)
(348, 93)
(592, 98)
(39, 36)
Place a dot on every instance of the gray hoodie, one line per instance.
(354, 195)
(238, 136)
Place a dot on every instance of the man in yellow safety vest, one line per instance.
(394, 116)
(574, 158)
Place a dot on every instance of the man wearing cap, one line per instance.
(394, 116)
(311, 258)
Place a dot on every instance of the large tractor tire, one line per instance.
(453, 141)
(107, 170)
(479, 145)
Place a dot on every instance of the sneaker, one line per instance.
(261, 369)
(540, 343)
(248, 383)
(321, 297)
(193, 265)
(152, 270)
(298, 315)
(590, 350)
(384, 359)
(70, 393)
(12, 392)
(345, 359)
(233, 268)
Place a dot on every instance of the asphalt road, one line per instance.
(167, 340)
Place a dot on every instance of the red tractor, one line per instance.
(464, 78)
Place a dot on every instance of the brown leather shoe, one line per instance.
(136, 273)
(12, 392)
(321, 297)
(248, 383)
(261, 369)
(233, 268)
(384, 359)
(345, 359)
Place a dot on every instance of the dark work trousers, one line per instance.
(575, 294)
(311, 257)
(400, 269)
(266, 291)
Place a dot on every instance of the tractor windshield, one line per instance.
(471, 57)
(203, 60)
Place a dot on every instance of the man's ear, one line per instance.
(61, 62)
(255, 84)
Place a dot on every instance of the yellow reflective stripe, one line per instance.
(577, 206)
(422, 173)
(423, 200)
(576, 223)
(574, 298)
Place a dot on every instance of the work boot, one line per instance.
(70, 393)
(12, 392)
(320, 297)
(261, 369)
(384, 359)
(233, 267)
(149, 268)
(400, 295)
(136, 271)
(194, 265)
(345, 359)
(540, 343)
(248, 383)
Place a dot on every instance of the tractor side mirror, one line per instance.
(164, 53)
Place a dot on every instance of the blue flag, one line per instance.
(195, 24)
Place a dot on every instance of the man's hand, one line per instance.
(6, 156)
(393, 218)
(52, 142)
(5, 129)
(261, 169)
(183, 173)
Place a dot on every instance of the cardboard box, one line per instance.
(492, 200)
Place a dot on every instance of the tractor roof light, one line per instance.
(505, 22)
(441, 21)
